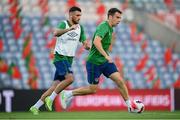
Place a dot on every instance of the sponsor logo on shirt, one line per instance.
(72, 34)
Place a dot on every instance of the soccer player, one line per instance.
(99, 62)
(69, 33)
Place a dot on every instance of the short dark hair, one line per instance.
(74, 8)
(112, 11)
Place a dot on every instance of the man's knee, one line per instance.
(117, 78)
(120, 81)
(70, 78)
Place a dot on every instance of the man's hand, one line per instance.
(86, 45)
(73, 27)
(108, 58)
(59, 32)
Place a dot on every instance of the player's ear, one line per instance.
(70, 14)
(110, 17)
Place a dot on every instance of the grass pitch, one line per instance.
(115, 115)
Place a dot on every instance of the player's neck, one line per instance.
(110, 23)
(70, 22)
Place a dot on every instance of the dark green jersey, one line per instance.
(105, 32)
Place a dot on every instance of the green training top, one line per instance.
(105, 32)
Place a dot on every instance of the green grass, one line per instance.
(115, 115)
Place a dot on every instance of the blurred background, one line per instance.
(146, 51)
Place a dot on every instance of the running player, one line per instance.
(69, 33)
(99, 62)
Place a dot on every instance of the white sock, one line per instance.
(128, 103)
(39, 103)
(53, 96)
(69, 93)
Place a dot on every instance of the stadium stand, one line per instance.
(146, 62)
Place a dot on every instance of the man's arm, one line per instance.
(98, 45)
(112, 42)
(86, 45)
(59, 32)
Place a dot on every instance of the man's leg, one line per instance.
(61, 86)
(93, 72)
(67, 95)
(50, 90)
(35, 108)
(91, 89)
(110, 70)
(116, 77)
